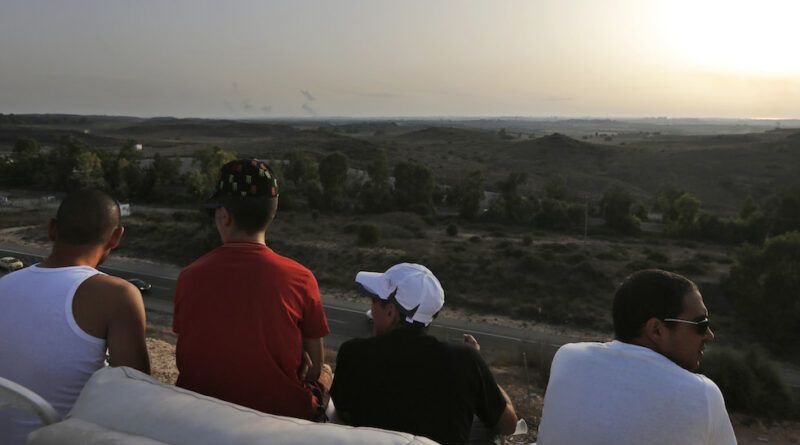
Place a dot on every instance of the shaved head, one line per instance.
(86, 217)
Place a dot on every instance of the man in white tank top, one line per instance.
(58, 317)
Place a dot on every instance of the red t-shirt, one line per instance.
(241, 313)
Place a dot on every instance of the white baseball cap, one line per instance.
(412, 286)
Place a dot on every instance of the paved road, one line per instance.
(347, 319)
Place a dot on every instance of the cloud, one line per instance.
(308, 95)
(247, 105)
(308, 108)
(230, 108)
(266, 108)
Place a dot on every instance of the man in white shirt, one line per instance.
(59, 317)
(640, 388)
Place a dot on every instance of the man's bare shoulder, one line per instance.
(108, 290)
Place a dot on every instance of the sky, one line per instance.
(401, 58)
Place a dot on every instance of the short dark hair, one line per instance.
(404, 324)
(646, 294)
(251, 214)
(86, 217)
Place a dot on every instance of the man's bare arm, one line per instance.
(126, 329)
(313, 346)
(507, 423)
(112, 309)
(508, 420)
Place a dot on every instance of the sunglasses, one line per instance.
(700, 326)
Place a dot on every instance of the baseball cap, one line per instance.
(412, 286)
(246, 178)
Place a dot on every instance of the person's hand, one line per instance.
(470, 340)
(305, 365)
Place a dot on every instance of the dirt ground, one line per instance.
(527, 398)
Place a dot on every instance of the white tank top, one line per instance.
(41, 345)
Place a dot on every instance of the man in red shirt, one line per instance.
(249, 321)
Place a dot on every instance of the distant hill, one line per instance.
(720, 168)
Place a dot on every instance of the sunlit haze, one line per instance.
(271, 59)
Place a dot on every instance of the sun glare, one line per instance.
(733, 36)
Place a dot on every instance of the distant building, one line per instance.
(138, 147)
(124, 209)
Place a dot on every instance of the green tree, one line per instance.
(553, 214)
(26, 163)
(61, 162)
(202, 180)
(556, 188)
(162, 173)
(301, 169)
(333, 176)
(469, 192)
(376, 195)
(414, 186)
(665, 203)
(123, 171)
(686, 207)
(749, 207)
(616, 210)
(87, 172)
(764, 284)
(516, 207)
(783, 211)
(378, 169)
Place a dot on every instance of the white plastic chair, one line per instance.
(17, 396)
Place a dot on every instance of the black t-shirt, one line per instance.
(409, 381)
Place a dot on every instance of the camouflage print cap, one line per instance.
(246, 178)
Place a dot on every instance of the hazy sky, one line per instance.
(373, 58)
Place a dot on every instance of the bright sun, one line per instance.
(734, 36)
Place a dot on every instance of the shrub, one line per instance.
(690, 267)
(657, 257)
(368, 234)
(527, 239)
(351, 228)
(452, 229)
(609, 256)
(749, 382)
(532, 263)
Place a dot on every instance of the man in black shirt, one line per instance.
(406, 380)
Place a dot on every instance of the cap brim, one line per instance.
(373, 283)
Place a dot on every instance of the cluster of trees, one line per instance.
(73, 164)
(326, 186)
(556, 208)
(764, 284)
(755, 223)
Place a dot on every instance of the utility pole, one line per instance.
(586, 217)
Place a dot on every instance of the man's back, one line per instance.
(241, 313)
(618, 393)
(41, 345)
(408, 381)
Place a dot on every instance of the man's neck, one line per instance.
(244, 237)
(67, 255)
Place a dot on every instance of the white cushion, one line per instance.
(128, 401)
(78, 431)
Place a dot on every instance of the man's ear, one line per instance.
(227, 217)
(653, 331)
(51, 229)
(393, 313)
(116, 235)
